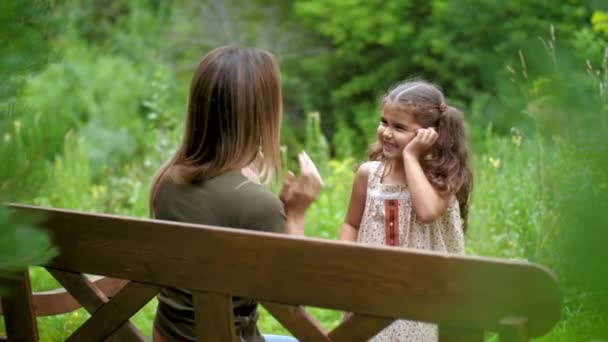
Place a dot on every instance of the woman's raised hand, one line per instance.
(298, 194)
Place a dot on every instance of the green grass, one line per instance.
(508, 219)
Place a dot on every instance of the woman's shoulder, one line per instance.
(225, 186)
(229, 199)
(231, 186)
(249, 191)
(254, 205)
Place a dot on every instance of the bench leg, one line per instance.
(18, 309)
(514, 329)
(451, 334)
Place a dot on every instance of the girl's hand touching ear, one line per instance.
(298, 194)
(425, 138)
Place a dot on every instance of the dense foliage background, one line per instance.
(93, 97)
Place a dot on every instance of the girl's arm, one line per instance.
(427, 202)
(350, 227)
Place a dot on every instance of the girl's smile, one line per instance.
(387, 147)
(396, 129)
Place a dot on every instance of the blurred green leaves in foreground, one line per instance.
(567, 101)
(24, 29)
(20, 244)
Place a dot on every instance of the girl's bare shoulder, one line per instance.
(363, 171)
(366, 167)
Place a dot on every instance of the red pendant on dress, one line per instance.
(391, 222)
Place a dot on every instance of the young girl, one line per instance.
(230, 141)
(414, 190)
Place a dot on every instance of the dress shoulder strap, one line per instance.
(375, 174)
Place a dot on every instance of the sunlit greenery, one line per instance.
(94, 93)
(25, 50)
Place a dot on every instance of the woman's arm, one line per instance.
(356, 205)
(427, 202)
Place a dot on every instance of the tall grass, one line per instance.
(508, 217)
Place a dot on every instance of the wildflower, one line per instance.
(98, 191)
(495, 162)
(516, 139)
(516, 136)
(17, 125)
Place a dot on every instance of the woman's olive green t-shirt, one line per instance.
(228, 200)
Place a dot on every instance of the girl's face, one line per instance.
(397, 129)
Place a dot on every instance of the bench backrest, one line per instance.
(463, 295)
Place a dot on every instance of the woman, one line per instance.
(230, 143)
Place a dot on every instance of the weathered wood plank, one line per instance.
(115, 313)
(60, 301)
(19, 315)
(298, 321)
(81, 288)
(359, 328)
(91, 299)
(214, 317)
(425, 286)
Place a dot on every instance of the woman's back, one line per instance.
(228, 200)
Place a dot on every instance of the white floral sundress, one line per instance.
(388, 206)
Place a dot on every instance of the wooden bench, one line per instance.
(465, 296)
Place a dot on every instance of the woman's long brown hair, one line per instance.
(447, 166)
(233, 118)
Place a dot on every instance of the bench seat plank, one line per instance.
(456, 291)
